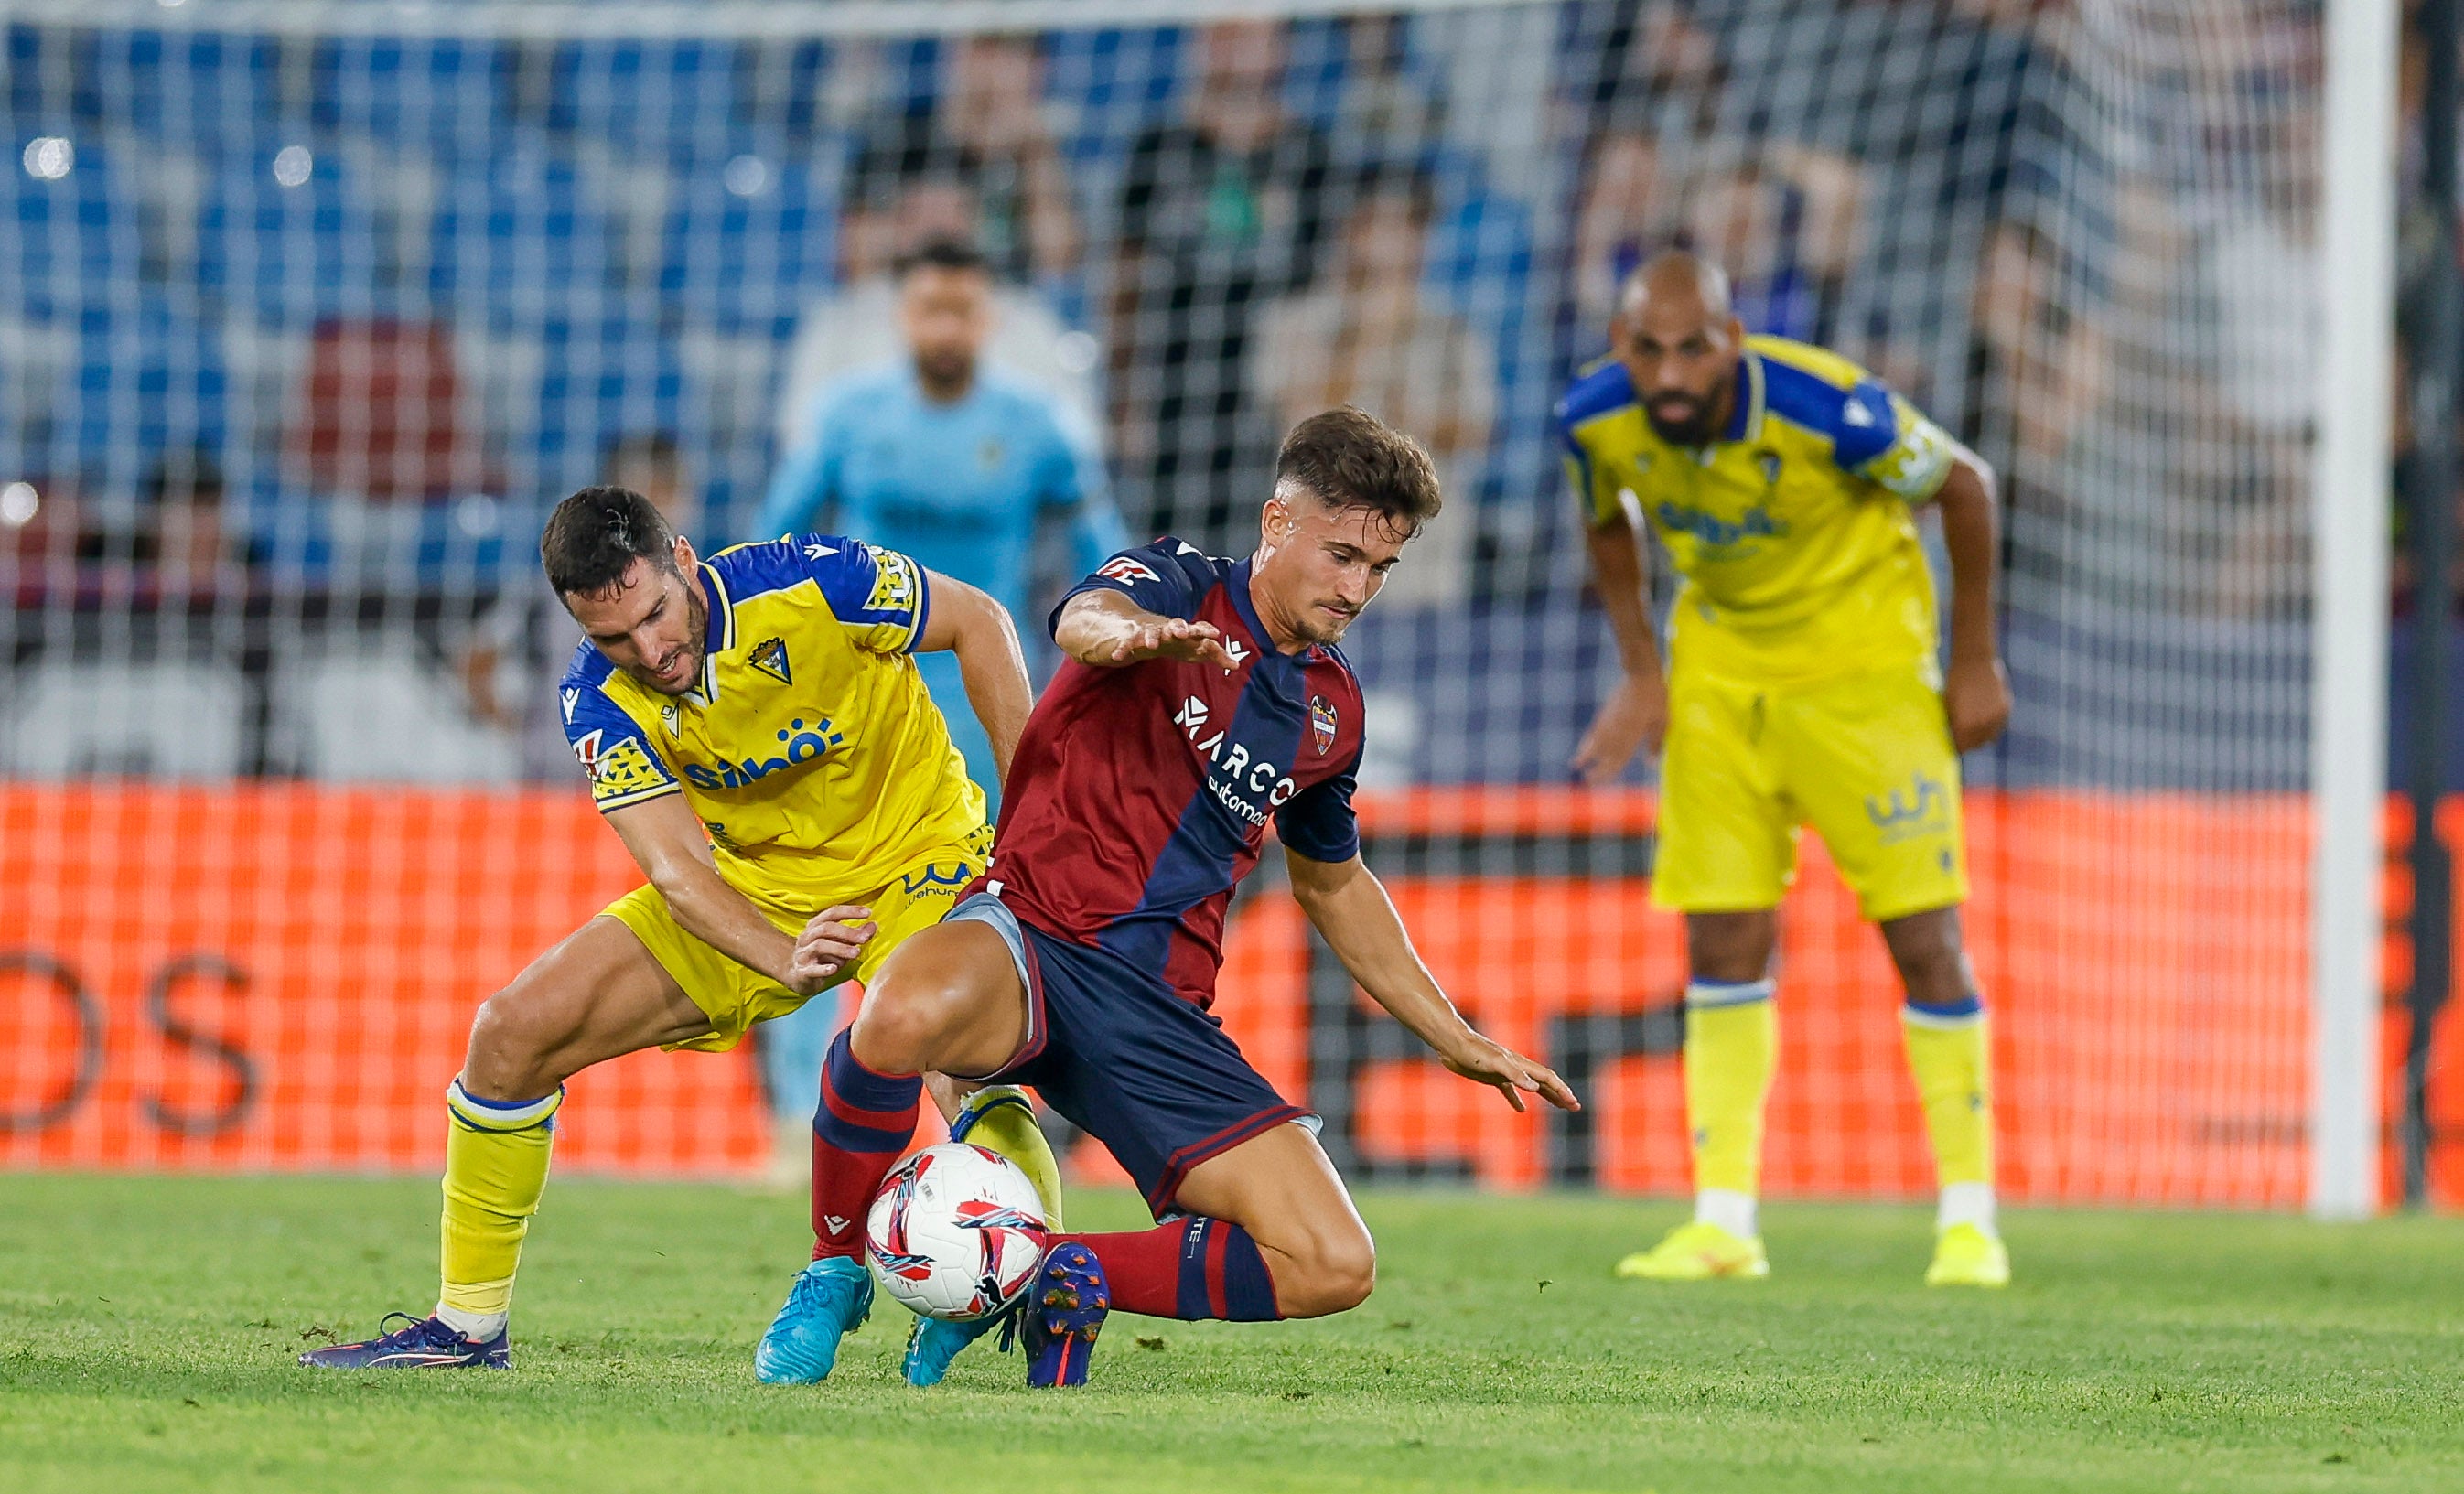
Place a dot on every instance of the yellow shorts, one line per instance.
(737, 997)
(1866, 760)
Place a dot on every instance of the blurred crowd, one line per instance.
(2083, 237)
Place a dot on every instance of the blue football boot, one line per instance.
(1064, 1311)
(832, 1299)
(933, 1341)
(419, 1343)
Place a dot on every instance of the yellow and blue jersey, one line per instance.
(809, 747)
(1792, 532)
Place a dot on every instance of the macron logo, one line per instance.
(1238, 651)
(820, 551)
(1191, 716)
(835, 1222)
(572, 702)
(1855, 413)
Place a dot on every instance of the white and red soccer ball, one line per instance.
(956, 1232)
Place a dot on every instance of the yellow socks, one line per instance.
(1949, 1059)
(495, 1167)
(1731, 1036)
(999, 1119)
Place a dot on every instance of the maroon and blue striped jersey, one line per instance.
(1140, 795)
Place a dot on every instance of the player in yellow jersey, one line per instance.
(758, 736)
(1803, 686)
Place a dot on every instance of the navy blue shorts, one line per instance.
(1156, 1079)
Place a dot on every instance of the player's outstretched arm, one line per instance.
(1107, 630)
(1635, 715)
(1975, 692)
(966, 621)
(670, 847)
(1349, 905)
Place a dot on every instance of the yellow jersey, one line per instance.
(1792, 532)
(809, 747)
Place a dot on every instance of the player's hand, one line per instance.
(828, 948)
(1484, 1060)
(1634, 718)
(1976, 695)
(1173, 638)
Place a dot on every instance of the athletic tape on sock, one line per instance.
(501, 1115)
(1710, 995)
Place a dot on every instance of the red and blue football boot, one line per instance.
(1064, 1311)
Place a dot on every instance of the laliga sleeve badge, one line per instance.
(1126, 569)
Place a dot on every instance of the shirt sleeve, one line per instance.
(623, 766)
(1593, 489)
(1884, 439)
(1152, 576)
(1319, 822)
(881, 596)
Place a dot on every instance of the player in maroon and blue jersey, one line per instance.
(1202, 699)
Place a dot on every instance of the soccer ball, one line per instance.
(957, 1233)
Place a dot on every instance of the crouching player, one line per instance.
(756, 734)
(1200, 698)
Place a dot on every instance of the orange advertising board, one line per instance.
(282, 977)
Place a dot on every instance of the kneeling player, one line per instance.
(1200, 698)
(760, 742)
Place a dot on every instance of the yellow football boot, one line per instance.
(1697, 1252)
(1965, 1256)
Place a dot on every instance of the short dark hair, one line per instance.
(942, 251)
(1352, 459)
(595, 536)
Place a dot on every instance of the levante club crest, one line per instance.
(1322, 724)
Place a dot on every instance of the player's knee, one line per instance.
(1351, 1272)
(899, 1028)
(510, 1043)
(1333, 1273)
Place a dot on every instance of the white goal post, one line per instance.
(2350, 503)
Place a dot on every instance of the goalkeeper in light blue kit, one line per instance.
(943, 459)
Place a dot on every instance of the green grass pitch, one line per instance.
(148, 1324)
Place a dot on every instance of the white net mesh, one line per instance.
(309, 316)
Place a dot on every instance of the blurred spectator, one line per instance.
(1663, 165)
(381, 409)
(958, 465)
(1385, 113)
(1784, 221)
(1219, 212)
(2038, 365)
(185, 531)
(520, 644)
(993, 112)
(1368, 335)
(949, 460)
(1652, 102)
(898, 200)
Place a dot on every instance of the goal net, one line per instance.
(308, 313)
